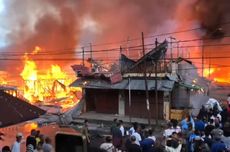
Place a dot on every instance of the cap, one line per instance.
(19, 134)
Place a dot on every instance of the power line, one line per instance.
(109, 43)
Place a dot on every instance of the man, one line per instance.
(133, 147)
(148, 143)
(107, 146)
(114, 125)
(17, 143)
(117, 137)
(218, 145)
(31, 140)
(137, 134)
(47, 147)
(122, 128)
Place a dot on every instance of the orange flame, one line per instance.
(51, 86)
(208, 71)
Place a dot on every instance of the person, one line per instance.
(218, 146)
(122, 128)
(16, 146)
(37, 137)
(40, 147)
(117, 137)
(199, 124)
(31, 140)
(137, 134)
(184, 123)
(6, 149)
(107, 146)
(148, 143)
(172, 145)
(133, 147)
(47, 147)
(85, 130)
(175, 126)
(132, 130)
(114, 125)
(168, 132)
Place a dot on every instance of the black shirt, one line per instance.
(31, 140)
(134, 148)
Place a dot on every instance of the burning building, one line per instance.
(123, 91)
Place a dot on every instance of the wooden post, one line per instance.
(156, 93)
(83, 56)
(146, 83)
(130, 101)
(91, 54)
(202, 61)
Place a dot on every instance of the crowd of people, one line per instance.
(209, 131)
(35, 142)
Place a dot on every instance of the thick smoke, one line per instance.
(63, 24)
(214, 18)
(212, 14)
(58, 25)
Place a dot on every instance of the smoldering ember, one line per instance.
(114, 76)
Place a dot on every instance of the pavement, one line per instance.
(101, 118)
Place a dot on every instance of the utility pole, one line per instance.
(156, 91)
(202, 61)
(178, 50)
(171, 43)
(91, 54)
(83, 56)
(121, 68)
(146, 83)
(130, 99)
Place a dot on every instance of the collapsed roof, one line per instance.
(151, 57)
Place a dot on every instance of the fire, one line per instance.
(3, 78)
(221, 80)
(208, 71)
(29, 126)
(50, 87)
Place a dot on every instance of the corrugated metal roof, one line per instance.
(135, 84)
(14, 110)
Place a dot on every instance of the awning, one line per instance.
(135, 84)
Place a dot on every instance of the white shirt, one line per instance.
(108, 147)
(16, 147)
(152, 137)
(138, 138)
(131, 130)
(168, 132)
(171, 149)
(122, 129)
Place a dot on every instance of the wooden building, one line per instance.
(128, 95)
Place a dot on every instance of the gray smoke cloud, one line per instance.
(211, 15)
(62, 24)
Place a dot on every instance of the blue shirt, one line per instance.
(218, 146)
(199, 125)
(147, 145)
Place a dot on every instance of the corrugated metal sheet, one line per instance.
(14, 110)
(135, 84)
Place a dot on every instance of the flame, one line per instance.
(29, 126)
(50, 87)
(208, 71)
